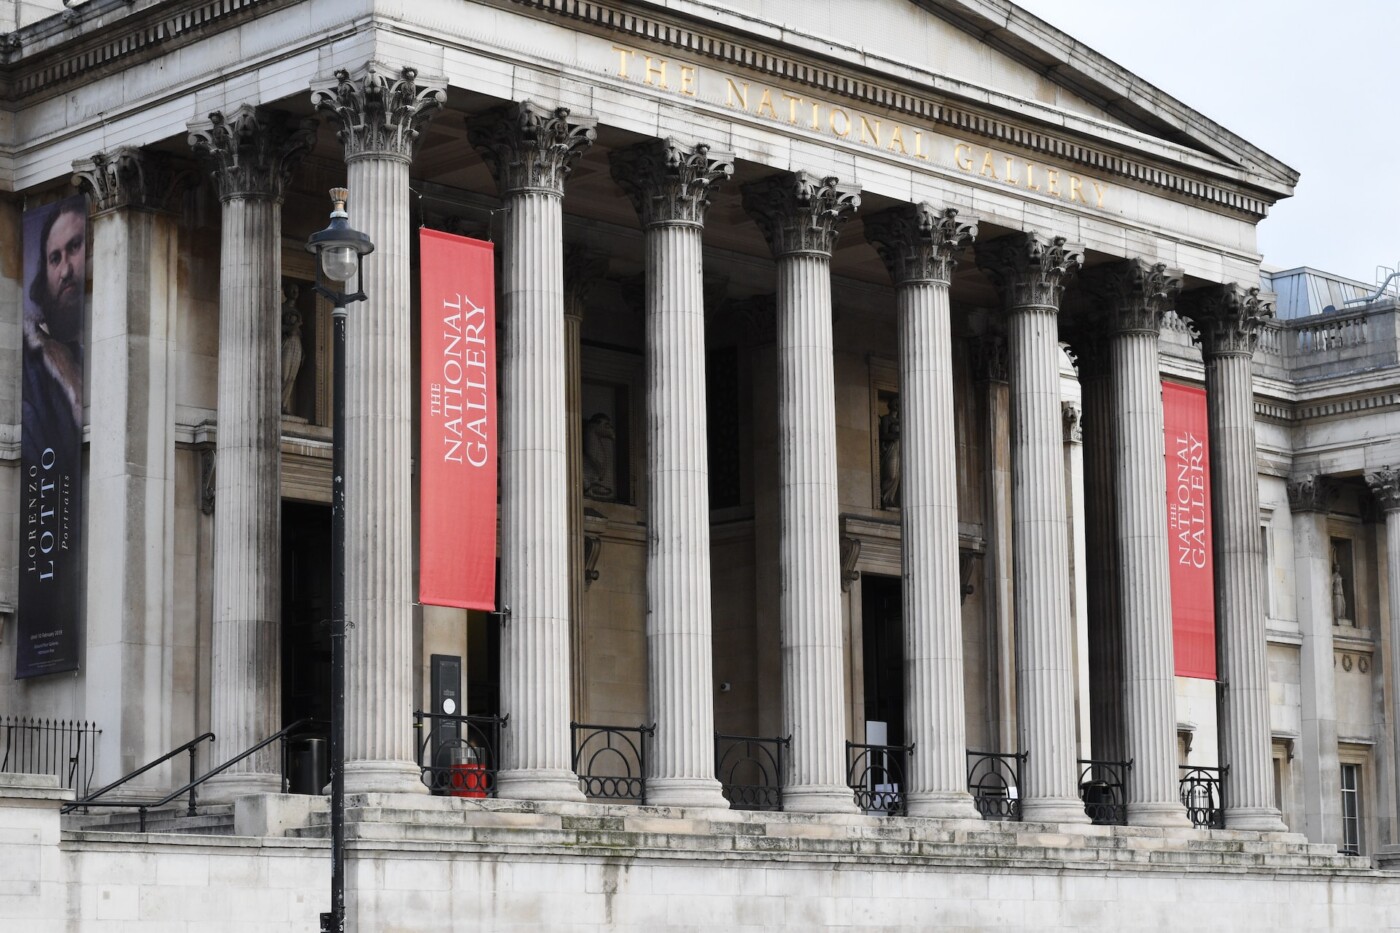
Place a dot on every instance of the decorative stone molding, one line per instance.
(208, 471)
(967, 562)
(850, 555)
(130, 177)
(1132, 295)
(251, 151)
(1073, 414)
(800, 213)
(529, 147)
(917, 241)
(1311, 493)
(592, 550)
(1227, 317)
(670, 183)
(1385, 488)
(1029, 269)
(380, 112)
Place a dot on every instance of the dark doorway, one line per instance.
(882, 634)
(306, 612)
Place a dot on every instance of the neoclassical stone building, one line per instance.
(836, 530)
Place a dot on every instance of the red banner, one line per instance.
(1188, 530)
(457, 423)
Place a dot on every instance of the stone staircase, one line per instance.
(211, 820)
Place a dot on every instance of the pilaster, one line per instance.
(1385, 489)
(918, 244)
(530, 150)
(800, 216)
(378, 113)
(1029, 270)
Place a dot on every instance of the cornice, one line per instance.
(845, 80)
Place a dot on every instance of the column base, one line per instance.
(383, 777)
(819, 798)
(1255, 819)
(230, 785)
(943, 805)
(539, 784)
(685, 792)
(1167, 815)
(1053, 810)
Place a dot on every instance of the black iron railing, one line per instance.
(459, 755)
(751, 769)
(877, 777)
(1203, 795)
(611, 761)
(1103, 786)
(65, 748)
(994, 781)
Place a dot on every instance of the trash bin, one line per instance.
(468, 774)
(310, 766)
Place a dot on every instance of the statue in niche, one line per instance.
(599, 454)
(1339, 598)
(889, 455)
(292, 351)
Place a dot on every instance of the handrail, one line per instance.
(195, 782)
(188, 746)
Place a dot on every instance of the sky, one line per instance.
(1317, 86)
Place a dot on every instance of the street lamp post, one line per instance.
(340, 252)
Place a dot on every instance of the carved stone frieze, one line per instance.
(252, 151)
(917, 241)
(1073, 414)
(799, 212)
(379, 111)
(1311, 493)
(1132, 295)
(1228, 318)
(130, 177)
(529, 147)
(670, 183)
(1029, 269)
(1385, 488)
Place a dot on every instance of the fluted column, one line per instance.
(670, 186)
(1133, 295)
(252, 153)
(1385, 487)
(130, 499)
(917, 243)
(1072, 413)
(800, 216)
(999, 592)
(1028, 270)
(379, 114)
(1308, 499)
(530, 150)
(1228, 318)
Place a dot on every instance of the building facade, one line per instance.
(832, 351)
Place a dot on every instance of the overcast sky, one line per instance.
(1316, 85)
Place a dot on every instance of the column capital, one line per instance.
(1073, 414)
(1132, 295)
(129, 177)
(1029, 268)
(1385, 487)
(252, 151)
(529, 147)
(379, 110)
(917, 241)
(1310, 492)
(583, 267)
(1227, 317)
(669, 182)
(799, 212)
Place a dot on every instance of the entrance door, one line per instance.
(306, 638)
(882, 631)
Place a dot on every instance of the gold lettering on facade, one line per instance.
(919, 146)
(897, 137)
(989, 168)
(962, 155)
(1076, 189)
(816, 118)
(656, 67)
(688, 80)
(1098, 192)
(1052, 182)
(1030, 177)
(733, 97)
(766, 103)
(845, 119)
(792, 102)
(623, 54)
(1010, 178)
(869, 134)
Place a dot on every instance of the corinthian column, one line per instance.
(1133, 295)
(1228, 318)
(1028, 270)
(670, 185)
(131, 459)
(917, 243)
(379, 114)
(252, 153)
(1385, 486)
(530, 150)
(800, 216)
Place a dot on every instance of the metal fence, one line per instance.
(611, 761)
(1103, 786)
(459, 755)
(66, 748)
(993, 779)
(750, 770)
(877, 776)
(1203, 794)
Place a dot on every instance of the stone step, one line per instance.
(211, 820)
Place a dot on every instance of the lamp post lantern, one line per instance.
(340, 251)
